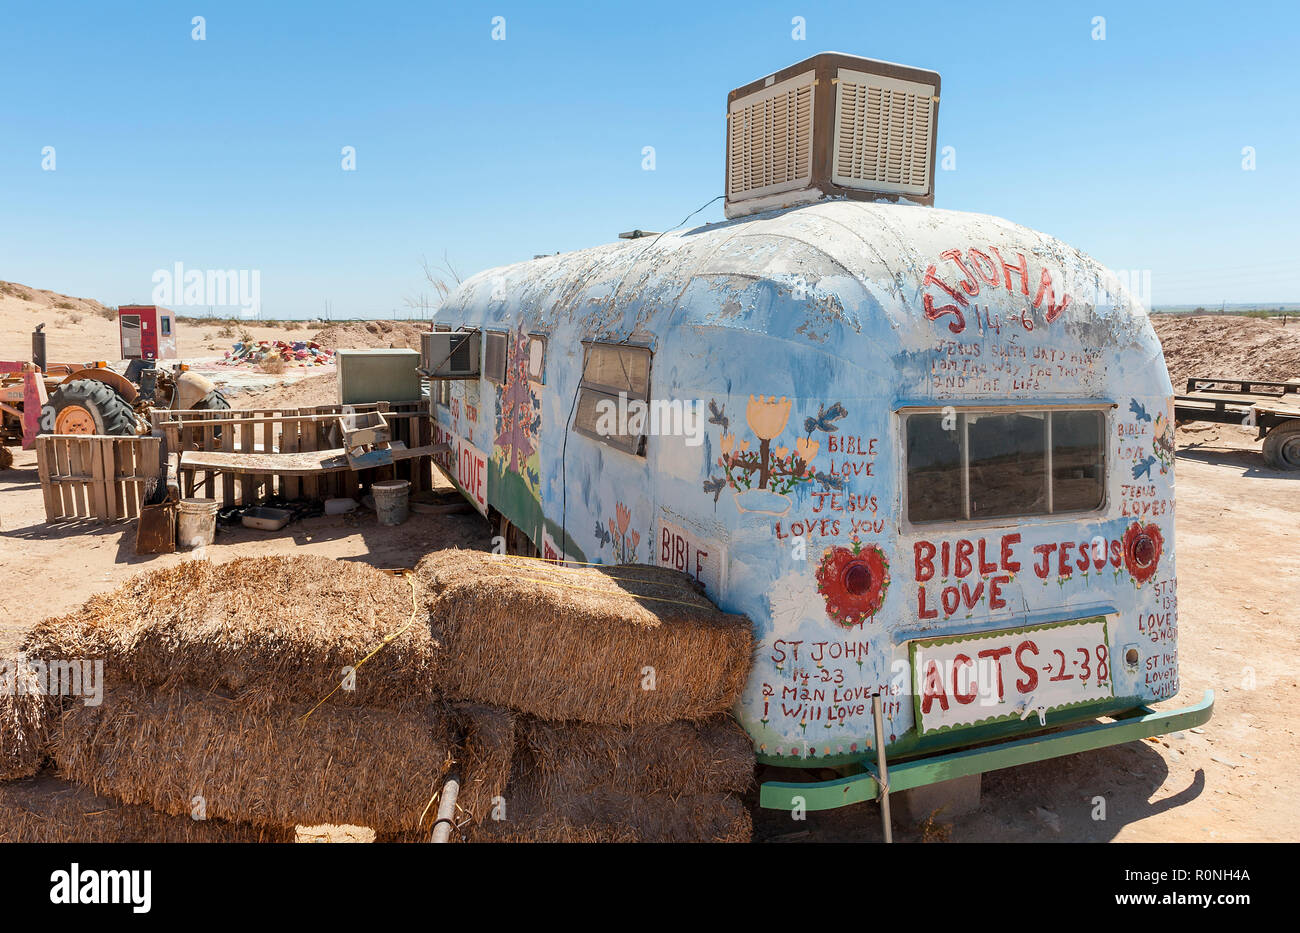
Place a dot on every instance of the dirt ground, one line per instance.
(81, 329)
(1238, 533)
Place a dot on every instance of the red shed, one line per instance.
(148, 332)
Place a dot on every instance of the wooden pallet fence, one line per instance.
(288, 430)
(97, 477)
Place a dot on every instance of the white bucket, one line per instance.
(392, 500)
(196, 522)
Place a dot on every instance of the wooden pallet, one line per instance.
(263, 435)
(95, 476)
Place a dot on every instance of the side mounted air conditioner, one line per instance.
(450, 355)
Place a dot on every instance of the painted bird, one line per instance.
(1138, 409)
(1144, 466)
(717, 415)
(825, 420)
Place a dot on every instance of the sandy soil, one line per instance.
(1237, 537)
(1238, 531)
(86, 330)
(1227, 345)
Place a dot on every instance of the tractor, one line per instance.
(90, 398)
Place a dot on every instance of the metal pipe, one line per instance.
(883, 766)
(38, 347)
(444, 822)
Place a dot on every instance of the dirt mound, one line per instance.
(301, 393)
(361, 335)
(37, 299)
(1228, 345)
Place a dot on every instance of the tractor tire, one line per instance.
(213, 401)
(87, 406)
(6, 458)
(1282, 446)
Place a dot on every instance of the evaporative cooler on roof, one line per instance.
(832, 126)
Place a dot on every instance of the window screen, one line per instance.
(609, 372)
(988, 465)
(494, 357)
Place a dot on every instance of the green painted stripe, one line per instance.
(828, 795)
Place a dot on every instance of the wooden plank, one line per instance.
(210, 442)
(65, 469)
(121, 490)
(78, 465)
(133, 491)
(291, 485)
(307, 441)
(44, 457)
(247, 494)
(102, 463)
(253, 465)
(268, 447)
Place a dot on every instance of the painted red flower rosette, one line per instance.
(1143, 545)
(853, 582)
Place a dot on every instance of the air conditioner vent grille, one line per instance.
(771, 139)
(883, 133)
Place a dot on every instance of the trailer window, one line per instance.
(166, 326)
(494, 357)
(617, 375)
(537, 359)
(976, 466)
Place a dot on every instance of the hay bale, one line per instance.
(575, 644)
(487, 751)
(613, 817)
(289, 625)
(47, 809)
(678, 758)
(252, 758)
(26, 716)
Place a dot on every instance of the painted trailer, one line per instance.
(929, 454)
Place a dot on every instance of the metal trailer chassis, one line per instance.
(862, 780)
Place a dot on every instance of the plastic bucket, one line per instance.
(392, 500)
(196, 522)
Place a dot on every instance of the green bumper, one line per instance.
(904, 775)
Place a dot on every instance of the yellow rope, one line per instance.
(415, 612)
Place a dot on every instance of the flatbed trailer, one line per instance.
(1273, 408)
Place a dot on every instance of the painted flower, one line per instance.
(728, 443)
(767, 416)
(853, 582)
(807, 448)
(636, 539)
(613, 529)
(624, 518)
(781, 452)
(1142, 547)
(744, 446)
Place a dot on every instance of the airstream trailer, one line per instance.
(928, 453)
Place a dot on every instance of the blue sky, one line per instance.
(225, 153)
